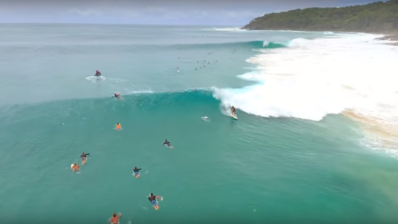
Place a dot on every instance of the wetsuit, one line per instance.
(136, 171)
(84, 155)
(152, 199)
(166, 143)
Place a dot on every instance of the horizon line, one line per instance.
(129, 24)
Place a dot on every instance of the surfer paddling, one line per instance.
(75, 167)
(136, 172)
(152, 198)
(117, 96)
(84, 157)
(167, 143)
(115, 218)
(97, 73)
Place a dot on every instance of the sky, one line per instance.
(154, 12)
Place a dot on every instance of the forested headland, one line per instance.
(377, 17)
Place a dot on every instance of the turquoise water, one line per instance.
(254, 170)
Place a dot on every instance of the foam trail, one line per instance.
(95, 79)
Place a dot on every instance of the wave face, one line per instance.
(257, 44)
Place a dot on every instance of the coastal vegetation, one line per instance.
(377, 17)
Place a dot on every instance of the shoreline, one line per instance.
(389, 37)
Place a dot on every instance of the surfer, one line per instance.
(136, 171)
(115, 218)
(152, 198)
(75, 167)
(167, 143)
(117, 96)
(84, 157)
(233, 111)
(97, 73)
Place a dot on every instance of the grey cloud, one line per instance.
(152, 11)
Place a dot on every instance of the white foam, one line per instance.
(140, 92)
(314, 78)
(233, 29)
(298, 42)
(95, 78)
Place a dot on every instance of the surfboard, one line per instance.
(170, 147)
(71, 165)
(234, 116)
(207, 120)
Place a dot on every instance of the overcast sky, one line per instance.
(173, 12)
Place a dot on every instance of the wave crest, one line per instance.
(231, 29)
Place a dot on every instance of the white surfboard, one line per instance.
(234, 116)
(71, 165)
(206, 119)
(170, 147)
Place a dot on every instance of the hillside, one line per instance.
(378, 17)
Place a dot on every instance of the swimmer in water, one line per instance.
(152, 198)
(97, 73)
(166, 142)
(75, 167)
(84, 157)
(137, 172)
(118, 126)
(115, 218)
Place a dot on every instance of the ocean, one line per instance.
(315, 141)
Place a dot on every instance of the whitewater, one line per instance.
(351, 73)
(315, 141)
